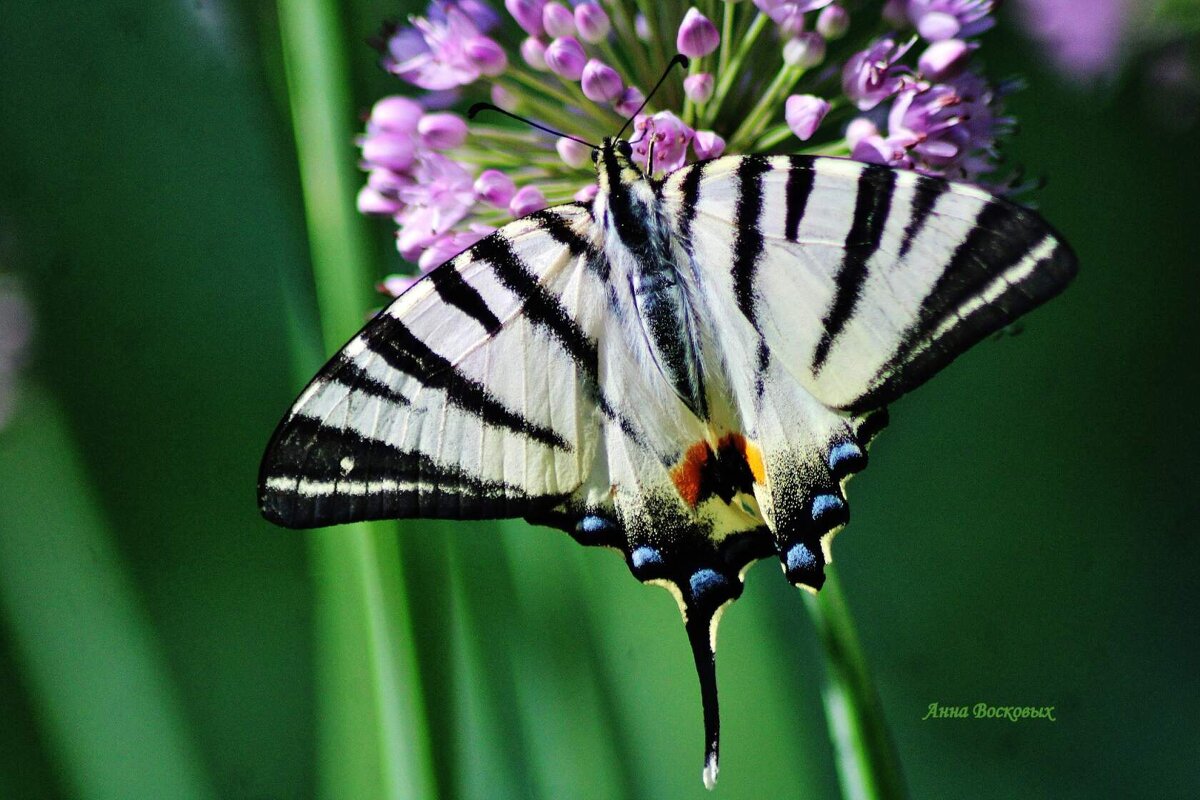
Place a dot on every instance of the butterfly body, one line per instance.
(686, 370)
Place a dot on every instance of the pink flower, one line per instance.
(698, 88)
(670, 137)
(601, 83)
(587, 194)
(697, 35)
(394, 151)
(944, 59)
(805, 50)
(804, 113)
(526, 201)
(573, 153)
(833, 22)
(565, 57)
(494, 187)
(558, 20)
(447, 247)
(870, 76)
(592, 22)
(789, 14)
(631, 100)
(443, 131)
(948, 19)
(534, 53)
(434, 55)
(707, 144)
(487, 56)
(395, 114)
(528, 14)
(440, 197)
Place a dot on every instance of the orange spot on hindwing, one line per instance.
(734, 467)
(688, 474)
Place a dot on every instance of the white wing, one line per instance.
(835, 287)
(473, 395)
(863, 280)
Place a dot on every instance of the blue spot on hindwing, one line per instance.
(645, 555)
(703, 580)
(594, 524)
(801, 558)
(826, 503)
(842, 453)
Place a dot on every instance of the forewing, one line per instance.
(862, 280)
(473, 395)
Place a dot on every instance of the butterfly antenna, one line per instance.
(678, 58)
(478, 107)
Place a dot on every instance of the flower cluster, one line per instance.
(893, 83)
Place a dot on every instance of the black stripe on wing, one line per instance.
(925, 196)
(317, 474)
(388, 338)
(448, 282)
(540, 306)
(955, 314)
(748, 244)
(872, 204)
(797, 190)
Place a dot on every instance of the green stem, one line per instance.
(768, 104)
(727, 17)
(867, 765)
(730, 73)
(372, 737)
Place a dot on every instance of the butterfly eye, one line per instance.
(595, 156)
(625, 149)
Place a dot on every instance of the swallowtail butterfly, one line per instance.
(687, 369)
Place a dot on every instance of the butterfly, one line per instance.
(686, 369)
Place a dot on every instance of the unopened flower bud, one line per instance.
(833, 22)
(565, 57)
(534, 53)
(442, 131)
(631, 99)
(592, 22)
(804, 113)
(697, 35)
(806, 50)
(503, 98)
(641, 28)
(601, 83)
(494, 187)
(393, 151)
(526, 201)
(860, 128)
(487, 55)
(944, 59)
(698, 88)
(528, 14)
(707, 144)
(572, 152)
(371, 201)
(396, 114)
(558, 20)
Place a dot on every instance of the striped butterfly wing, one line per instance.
(863, 280)
(836, 287)
(472, 396)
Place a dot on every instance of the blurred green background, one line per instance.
(1024, 536)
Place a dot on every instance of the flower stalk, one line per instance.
(371, 733)
(867, 765)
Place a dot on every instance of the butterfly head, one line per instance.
(614, 164)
